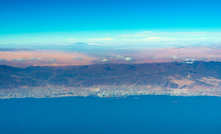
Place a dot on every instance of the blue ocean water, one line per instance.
(131, 115)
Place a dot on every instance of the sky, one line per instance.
(111, 22)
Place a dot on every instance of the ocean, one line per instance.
(148, 114)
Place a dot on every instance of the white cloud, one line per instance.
(19, 59)
(179, 37)
(154, 33)
(128, 59)
(52, 60)
(105, 60)
(33, 58)
(152, 38)
(93, 43)
(189, 61)
(99, 39)
(40, 58)
(156, 39)
(133, 35)
(174, 57)
(119, 56)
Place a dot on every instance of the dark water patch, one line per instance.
(135, 114)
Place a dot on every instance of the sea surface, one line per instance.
(132, 115)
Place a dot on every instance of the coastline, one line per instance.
(103, 92)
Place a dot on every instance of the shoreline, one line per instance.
(103, 92)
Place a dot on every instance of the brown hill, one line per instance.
(166, 75)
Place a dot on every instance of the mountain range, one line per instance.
(176, 75)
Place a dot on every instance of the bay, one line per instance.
(135, 114)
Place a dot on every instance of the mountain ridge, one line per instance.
(110, 75)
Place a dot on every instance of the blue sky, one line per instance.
(99, 21)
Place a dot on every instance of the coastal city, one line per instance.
(104, 92)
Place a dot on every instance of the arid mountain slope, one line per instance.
(174, 75)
